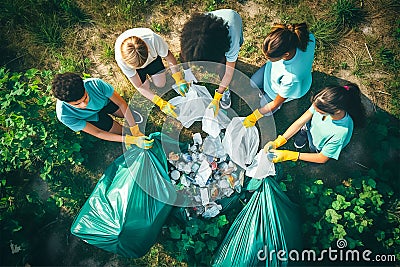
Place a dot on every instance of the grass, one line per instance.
(347, 13)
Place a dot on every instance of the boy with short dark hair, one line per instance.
(85, 105)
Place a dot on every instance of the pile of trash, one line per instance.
(205, 174)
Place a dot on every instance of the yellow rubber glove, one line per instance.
(165, 107)
(182, 85)
(278, 142)
(135, 131)
(215, 102)
(140, 141)
(251, 120)
(283, 155)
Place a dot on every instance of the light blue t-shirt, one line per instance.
(330, 136)
(235, 27)
(99, 96)
(291, 78)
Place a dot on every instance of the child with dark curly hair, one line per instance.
(85, 105)
(327, 126)
(287, 73)
(215, 36)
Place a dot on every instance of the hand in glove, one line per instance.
(182, 85)
(189, 76)
(251, 120)
(282, 155)
(140, 141)
(279, 141)
(215, 102)
(135, 131)
(165, 107)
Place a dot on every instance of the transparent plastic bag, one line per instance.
(240, 143)
(209, 123)
(213, 147)
(192, 107)
(261, 167)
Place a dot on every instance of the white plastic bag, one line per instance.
(210, 124)
(192, 107)
(261, 167)
(241, 143)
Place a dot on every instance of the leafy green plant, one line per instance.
(161, 27)
(347, 13)
(197, 241)
(31, 134)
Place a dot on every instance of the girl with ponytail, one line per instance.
(289, 50)
(327, 126)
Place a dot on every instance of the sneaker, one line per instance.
(137, 116)
(300, 140)
(226, 99)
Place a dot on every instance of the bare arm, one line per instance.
(93, 130)
(143, 88)
(123, 106)
(274, 104)
(313, 157)
(295, 127)
(172, 63)
(226, 80)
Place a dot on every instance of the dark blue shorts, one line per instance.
(105, 121)
(153, 68)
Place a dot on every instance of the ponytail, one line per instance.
(347, 98)
(284, 38)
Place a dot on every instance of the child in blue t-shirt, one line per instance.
(327, 126)
(287, 73)
(85, 105)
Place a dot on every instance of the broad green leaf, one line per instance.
(175, 232)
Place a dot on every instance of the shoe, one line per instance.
(137, 116)
(226, 99)
(300, 140)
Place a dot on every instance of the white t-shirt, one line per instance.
(156, 45)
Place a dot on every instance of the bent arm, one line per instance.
(226, 80)
(295, 127)
(123, 106)
(273, 105)
(143, 88)
(93, 130)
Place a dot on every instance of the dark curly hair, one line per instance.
(205, 37)
(68, 87)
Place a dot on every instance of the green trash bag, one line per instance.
(269, 222)
(121, 216)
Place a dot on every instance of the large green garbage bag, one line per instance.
(269, 222)
(121, 216)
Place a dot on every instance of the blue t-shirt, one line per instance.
(291, 78)
(99, 93)
(235, 27)
(330, 136)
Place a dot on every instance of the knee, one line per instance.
(159, 80)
